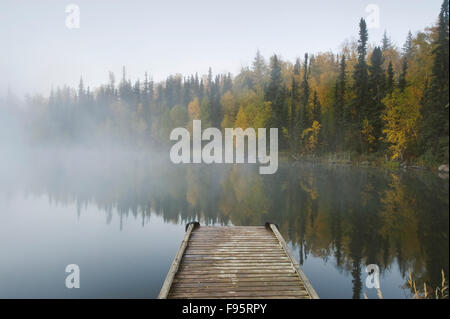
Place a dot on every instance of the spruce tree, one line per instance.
(259, 70)
(435, 104)
(294, 133)
(408, 46)
(294, 107)
(317, 116)
(146, 100)
(275, 92)
(340, 111)
(360, 77)
(317, 108)
(390, 81)
(386, 43)
(304, 122)
(214, 98)
(377, 91)
(402, 77)
(81, 92)
(125, 89)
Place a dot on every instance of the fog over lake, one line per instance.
(120, 216)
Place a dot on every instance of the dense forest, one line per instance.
(366, 100)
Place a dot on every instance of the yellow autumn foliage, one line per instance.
(310, 137)
(401, 121)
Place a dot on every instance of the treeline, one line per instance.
(389, 101)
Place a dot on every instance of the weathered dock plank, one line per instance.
(235, 262)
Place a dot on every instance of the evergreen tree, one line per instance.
(386, 43)
(434, 130)
(125, 89)
(317, 108)
(205, 112)
(228, 84)
(136, 94)
(297, 67)
(377, 91)
(340, 111)
(147, 95)
(81, 92)
(402, 77)
(201, 90)
(317, 117)
(112, 84)
(214, 98)
(304, 122)
(294, 132)
(209, 79)
(390, 81)
(275, 94)
(408, 46)
(360, 77)
(259, 70)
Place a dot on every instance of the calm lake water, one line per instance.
(121, 217)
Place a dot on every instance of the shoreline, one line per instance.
(364, 162)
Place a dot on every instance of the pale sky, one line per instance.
(38, 51)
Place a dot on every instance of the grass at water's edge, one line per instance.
(427, 292)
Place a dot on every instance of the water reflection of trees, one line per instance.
(357, 217)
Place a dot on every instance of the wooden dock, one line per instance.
(235, 262)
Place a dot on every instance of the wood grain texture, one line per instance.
(235, 262)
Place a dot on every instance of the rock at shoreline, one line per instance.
(443, 168)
